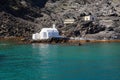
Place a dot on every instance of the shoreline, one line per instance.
(94, 41)
(21, 40)
(17, 40)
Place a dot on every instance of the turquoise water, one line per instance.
(97, 61)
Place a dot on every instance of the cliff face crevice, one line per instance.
(24, 17)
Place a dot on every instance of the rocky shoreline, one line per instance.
(21, 40)
(16, 40)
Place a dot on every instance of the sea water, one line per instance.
(93, 61)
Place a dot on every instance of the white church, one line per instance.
(46, 33)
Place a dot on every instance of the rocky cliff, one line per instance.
(24, 17)
(17, 17)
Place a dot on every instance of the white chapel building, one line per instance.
(46, 33)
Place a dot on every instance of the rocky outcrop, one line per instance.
(106, 13)
(24, 17)
(12, 26)
(17, 17)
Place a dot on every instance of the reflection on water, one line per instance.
(57, 62)
(42, 50)
(45, 50)
(4, 45)
(47, 53)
